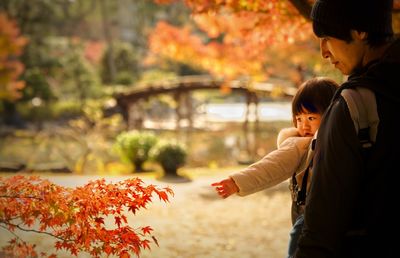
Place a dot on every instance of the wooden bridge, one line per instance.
(131, 103)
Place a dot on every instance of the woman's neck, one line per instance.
(374, 53)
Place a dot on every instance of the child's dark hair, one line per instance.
(314, 96)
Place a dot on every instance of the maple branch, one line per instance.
(21, 197)
(78, 220)
(30, 230)
(10, 219)
(12, 232)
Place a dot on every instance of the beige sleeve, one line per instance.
(276, 167)
(286, 133)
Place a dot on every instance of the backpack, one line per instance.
(364, 113)
(361, 103)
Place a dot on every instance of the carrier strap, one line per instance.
(299, 194)
(364, 113)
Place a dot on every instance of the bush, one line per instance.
(124, 78)
(170, 156)
(126, 60)
(134, 147)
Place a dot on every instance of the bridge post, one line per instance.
(189, 109)
(184, 108)
(251, 98)
(135, 117)
(251, 133)
(177, 97)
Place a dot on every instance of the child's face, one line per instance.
(308, 123)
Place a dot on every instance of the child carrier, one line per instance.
(361, 103)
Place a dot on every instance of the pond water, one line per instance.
(224, 140)
(236, 112)
(228, 143)
(219, 138)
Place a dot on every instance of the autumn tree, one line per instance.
(11, 47)
(238, 38)
(91, 218)
(230, 39)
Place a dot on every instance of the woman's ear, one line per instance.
(359, 35)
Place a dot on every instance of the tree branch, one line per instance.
(21, 197)
(30, 230)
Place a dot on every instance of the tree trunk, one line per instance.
(108, 38)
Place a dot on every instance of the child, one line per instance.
(293, 155)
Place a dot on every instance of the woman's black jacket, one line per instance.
(352, 207)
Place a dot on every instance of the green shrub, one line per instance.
(126, 60)
(124, 78)
(66, 109)
(134, 147)
(170, 156)
(37, 86)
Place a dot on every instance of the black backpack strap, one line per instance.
(302, 191)
(299, 193)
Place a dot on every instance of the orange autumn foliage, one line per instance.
(253, 5)
(221, 59)
(239, 33)
(77, 217)
(11, 46)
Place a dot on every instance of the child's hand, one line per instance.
(226, 187)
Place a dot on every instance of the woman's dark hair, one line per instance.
(324, 30)
(314, 96)
(374, 39)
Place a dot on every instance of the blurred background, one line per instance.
(76, 74)
(214, 77)
(190, 89)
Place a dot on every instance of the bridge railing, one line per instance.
(194, 82)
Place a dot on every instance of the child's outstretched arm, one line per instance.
(226, 187)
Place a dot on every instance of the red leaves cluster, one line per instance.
(78, 218)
